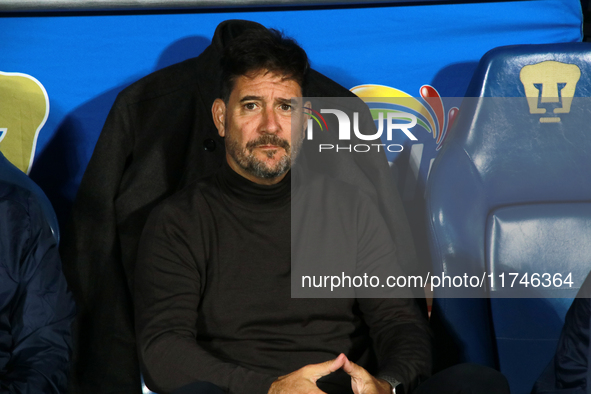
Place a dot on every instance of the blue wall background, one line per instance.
(84, 60)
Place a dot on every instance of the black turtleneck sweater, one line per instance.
(213, 301)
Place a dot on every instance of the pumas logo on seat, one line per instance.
(550, 84)
(24, 108)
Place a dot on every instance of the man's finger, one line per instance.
(316, 371)
(354, 370)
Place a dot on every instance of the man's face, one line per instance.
(257, 126)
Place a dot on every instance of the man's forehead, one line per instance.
(264, 83)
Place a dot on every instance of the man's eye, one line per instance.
(250, 106)
(285, 107)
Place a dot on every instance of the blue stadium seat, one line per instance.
(10, 174)
(511, 192)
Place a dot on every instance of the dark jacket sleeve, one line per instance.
(152, 141)
(42, 308)
(104, 352)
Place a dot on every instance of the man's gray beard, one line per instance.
(246, 159)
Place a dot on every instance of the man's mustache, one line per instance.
(269, 139)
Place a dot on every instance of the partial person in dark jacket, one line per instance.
(569, 371)
(36, 308)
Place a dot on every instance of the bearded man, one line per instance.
(212, 291)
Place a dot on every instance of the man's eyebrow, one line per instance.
(283, 100)
(250, 98)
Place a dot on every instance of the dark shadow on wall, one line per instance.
(339, 75)
(183, 49)
(59, 168)
(453, 80)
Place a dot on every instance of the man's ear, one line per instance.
(218, 111)
(307, 110)
(307, 113)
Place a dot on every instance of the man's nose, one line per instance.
(270, 122)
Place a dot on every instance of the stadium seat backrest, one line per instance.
(510, 192)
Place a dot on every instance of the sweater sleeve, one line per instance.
(169, 282)
(42, 309)
(398, 328)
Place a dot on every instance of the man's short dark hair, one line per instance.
(262, 49)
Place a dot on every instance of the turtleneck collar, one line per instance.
(239, 188)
